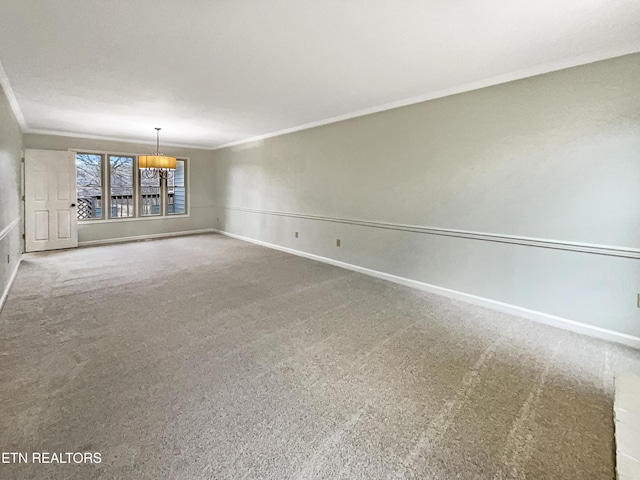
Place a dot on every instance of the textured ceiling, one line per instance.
(216, 72)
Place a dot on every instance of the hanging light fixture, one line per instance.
(156, 165)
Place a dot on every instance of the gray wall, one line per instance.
(10, 181)
(201, 166)
(544, 171)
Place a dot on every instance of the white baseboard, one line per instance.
(541, 317)
(137, 238)
(5, 293)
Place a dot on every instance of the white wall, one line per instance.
(201, 197)
(10, 175)
(544, 171)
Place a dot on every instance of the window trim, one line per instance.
(103, 211)
(107, 161)
(106, 189)
(162, 186)
(187, 189)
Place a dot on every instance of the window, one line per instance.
(110, 187)
(89, 186)
(177, 201)
(121, 186)
(150, 195)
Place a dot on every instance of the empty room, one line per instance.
(319, 239)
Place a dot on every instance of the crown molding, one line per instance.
(58, 133)
(467, 87)
(13, 102)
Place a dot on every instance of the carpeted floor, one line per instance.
(207, 357)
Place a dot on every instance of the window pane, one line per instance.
(121, 197)
(149, 196)
(176, 203)
(89, 185)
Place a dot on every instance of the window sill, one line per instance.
(134, 219)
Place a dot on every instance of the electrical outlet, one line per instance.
(296, 234)
(337, 242)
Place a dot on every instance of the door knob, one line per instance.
(73, 204)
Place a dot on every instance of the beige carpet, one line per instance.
(206, 357)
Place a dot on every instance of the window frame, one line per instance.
(102, 185)
(137, 188)
(161, 214)
(186, 187)
(107, 161)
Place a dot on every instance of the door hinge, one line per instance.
(22, 159)
(23, 198)
(23, 236)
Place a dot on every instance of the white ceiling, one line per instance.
(217, 72)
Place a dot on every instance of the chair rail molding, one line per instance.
(8, 228)
(608, 250)
(3, 233)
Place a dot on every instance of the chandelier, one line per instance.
(156, 165)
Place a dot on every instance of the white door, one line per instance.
(50, 200)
